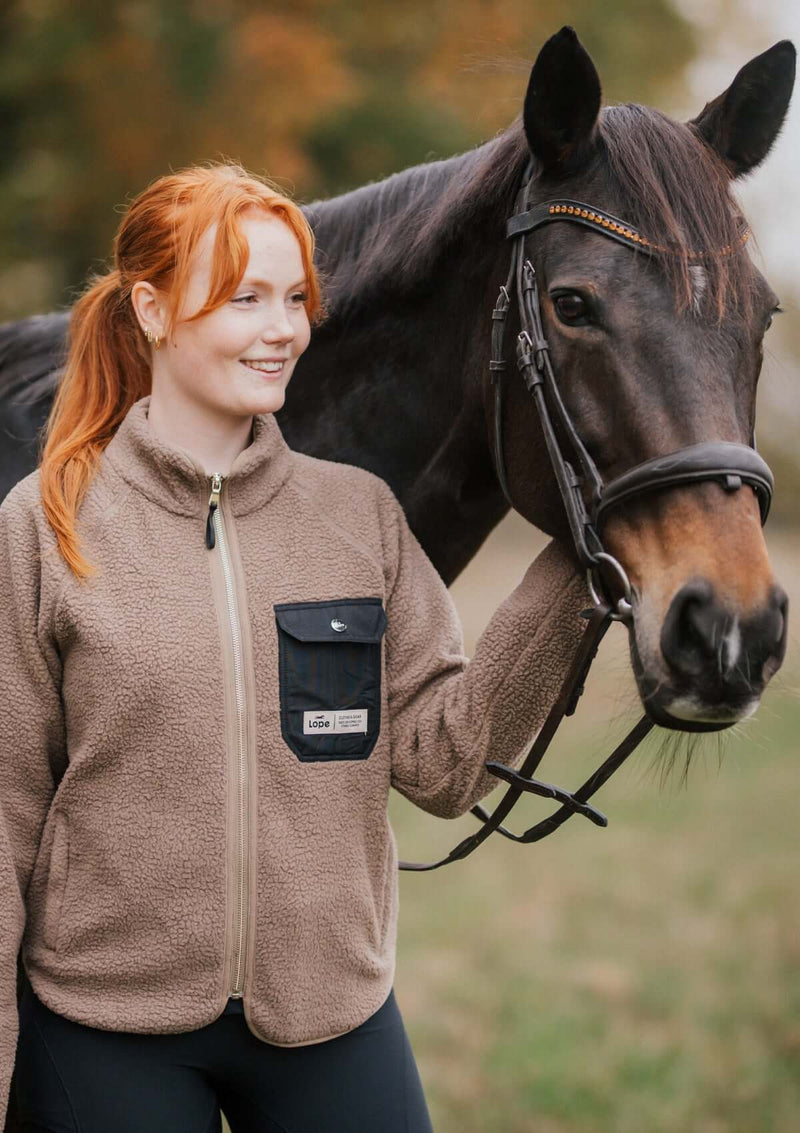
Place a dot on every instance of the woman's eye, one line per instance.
(571, 308)
(246, 300)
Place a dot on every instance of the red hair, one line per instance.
(108, 364)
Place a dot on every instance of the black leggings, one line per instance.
(70, 1078)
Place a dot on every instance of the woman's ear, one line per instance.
(149, 308)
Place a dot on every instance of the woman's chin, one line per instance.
(268, 400)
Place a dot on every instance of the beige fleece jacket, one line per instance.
(197, 745)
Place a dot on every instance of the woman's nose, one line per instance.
(278, 326)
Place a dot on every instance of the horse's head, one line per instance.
(656, 352)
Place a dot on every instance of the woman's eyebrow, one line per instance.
(265, 283)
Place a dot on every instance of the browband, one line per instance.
(600, 221)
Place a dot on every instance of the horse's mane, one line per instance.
(391, 233)
(388, 235)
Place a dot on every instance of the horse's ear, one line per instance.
(562, 103)
(742, 123)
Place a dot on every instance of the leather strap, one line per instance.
(732, 464)
(578, 213)
(599, 619)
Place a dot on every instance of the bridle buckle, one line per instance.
(622, 608)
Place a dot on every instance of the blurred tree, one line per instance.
(98, 99)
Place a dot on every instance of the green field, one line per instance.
(644, 978)
(639, 979)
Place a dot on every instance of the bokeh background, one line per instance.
(642, 979)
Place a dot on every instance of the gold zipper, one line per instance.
(215, 531)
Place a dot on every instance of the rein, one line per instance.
(587, 499)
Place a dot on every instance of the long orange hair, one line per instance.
(108, 365)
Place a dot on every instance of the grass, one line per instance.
(640, 978)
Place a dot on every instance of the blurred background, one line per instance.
(642, 979)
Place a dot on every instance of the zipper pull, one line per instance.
(213, 504)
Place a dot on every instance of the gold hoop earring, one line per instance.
(148, 334)
(154, 338)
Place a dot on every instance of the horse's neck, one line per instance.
(394, 395)
(346, 226)
(396, 386)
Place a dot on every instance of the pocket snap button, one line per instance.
(340, 627)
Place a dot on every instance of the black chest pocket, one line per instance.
(329, 659)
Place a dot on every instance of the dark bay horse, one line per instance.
(653, 354)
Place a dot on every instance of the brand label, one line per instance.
(335, 723)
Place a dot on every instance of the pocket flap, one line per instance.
(354, 619)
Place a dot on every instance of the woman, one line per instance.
(204, 713)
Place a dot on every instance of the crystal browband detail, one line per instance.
(604, 222)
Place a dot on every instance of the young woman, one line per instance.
(216, 657)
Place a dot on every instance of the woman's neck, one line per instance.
(212, 438)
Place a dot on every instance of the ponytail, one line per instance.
(106, 372)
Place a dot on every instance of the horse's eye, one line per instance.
(571, 308)
(775, 311)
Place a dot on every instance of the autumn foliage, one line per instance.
(96, 100)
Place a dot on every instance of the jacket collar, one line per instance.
(171, 477)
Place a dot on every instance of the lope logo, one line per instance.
(337, 723)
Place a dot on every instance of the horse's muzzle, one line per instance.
(716, 662)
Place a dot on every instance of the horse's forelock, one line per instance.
(676, 191)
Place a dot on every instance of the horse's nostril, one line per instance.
(701, 623)
(689, 636)
(777, 621)
(703, 639)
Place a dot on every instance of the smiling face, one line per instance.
(238, 359)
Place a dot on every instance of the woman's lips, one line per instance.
(269, 374)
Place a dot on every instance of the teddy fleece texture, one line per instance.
(132, 782)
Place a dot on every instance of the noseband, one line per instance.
(587, 500)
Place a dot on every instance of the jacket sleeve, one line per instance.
(32, 743)
(449, 715)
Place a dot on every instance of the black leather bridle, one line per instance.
(587, 500)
